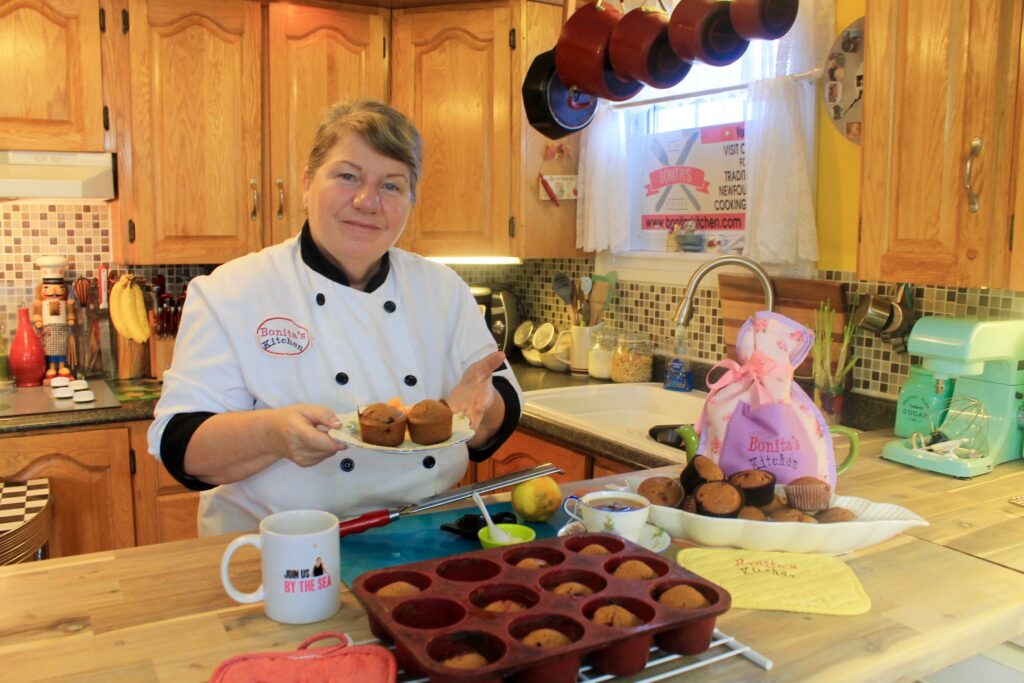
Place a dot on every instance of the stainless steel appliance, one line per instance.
(500, 309)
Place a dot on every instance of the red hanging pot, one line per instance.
(640, 50)
(702, 30)
(27, 360)
(764, 19)
(582, 58)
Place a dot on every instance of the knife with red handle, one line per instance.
(369, 520)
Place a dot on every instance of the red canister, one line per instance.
(28, 363)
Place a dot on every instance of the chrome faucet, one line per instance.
(685, 310)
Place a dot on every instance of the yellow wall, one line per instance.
(838, 175)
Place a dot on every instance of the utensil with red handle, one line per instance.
(369, 520)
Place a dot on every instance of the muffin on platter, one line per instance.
(698, 470)
(430, 422)
(382, 424)
(758, 486)
(718, 499)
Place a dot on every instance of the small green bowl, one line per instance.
(520, 533)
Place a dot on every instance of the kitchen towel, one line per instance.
(785, 582)
(343, 663)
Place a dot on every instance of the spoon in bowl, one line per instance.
(498, 535)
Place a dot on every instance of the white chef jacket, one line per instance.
(266, 331)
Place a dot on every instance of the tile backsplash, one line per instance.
(81, 232)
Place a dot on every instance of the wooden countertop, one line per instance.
(158, 613)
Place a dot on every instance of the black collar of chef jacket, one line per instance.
(315, 259)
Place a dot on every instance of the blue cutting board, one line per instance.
(413, 539)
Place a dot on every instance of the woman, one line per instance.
(274, 344)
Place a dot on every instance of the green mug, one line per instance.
(691, 439)
(851, 435)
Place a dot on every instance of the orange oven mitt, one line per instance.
(342, 663)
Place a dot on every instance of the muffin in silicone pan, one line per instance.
(448, 617)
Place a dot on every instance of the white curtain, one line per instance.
(602, 214)
(781, 230)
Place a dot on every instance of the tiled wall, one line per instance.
(82, 233)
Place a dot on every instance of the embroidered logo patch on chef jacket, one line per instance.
(281, 336)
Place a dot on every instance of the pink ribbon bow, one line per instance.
(759, 366)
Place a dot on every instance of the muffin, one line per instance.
(546, 637)
(758, 486)
(467, 660)
(698, 470)
(777, 503)
(532, 563)
(808, 494)
(634, 569)
(382, 425)
(718, 499)
(752, 513)
(398, 589)
(595, 549)
(835, 514)
(665, 491)
(792, 515)
(430, 422)
(614, 615)
(572, 589)
(505, 606)
(689, 504)
(683, 597)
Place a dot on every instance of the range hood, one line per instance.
(59, 175)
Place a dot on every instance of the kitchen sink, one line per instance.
(619, 412)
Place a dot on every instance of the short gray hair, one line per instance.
(386, 129)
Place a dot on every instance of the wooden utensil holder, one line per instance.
(132, 358)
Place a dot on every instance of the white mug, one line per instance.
(612, 512)
(301, 553)
(579, 349)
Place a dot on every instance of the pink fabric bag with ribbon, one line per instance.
(756, 416)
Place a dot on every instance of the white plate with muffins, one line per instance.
(427, 426)
(865, 523)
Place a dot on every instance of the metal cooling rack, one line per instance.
(660, 664)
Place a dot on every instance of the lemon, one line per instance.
(537, 500)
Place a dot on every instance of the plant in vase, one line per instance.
(830, 377)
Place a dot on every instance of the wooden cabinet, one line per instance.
(195, 131)
(451, 71)
(211, 178)
(604, 467)
(318, 57)
(90, 485)
(523, 450)
(458, 73)
(938, 76)
(164, 509)
(51, 78)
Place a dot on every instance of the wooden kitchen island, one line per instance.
(159, 613)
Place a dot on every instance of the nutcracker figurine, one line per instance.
(54, 315)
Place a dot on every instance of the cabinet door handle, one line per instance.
(255, 214)
(280, 199)
(972, 197)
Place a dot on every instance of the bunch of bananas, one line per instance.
(128, 310)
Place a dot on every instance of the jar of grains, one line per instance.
(632, 358)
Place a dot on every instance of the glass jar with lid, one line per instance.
(599, 359)
(632, 358)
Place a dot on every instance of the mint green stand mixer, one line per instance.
(987, 360)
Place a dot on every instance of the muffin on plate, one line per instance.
(835, 514)
(808, 494)
(666, 491)
(758, 486)
(430, 422)
(698, 470)
(792, 515)
(752, 513)
(381, 424)
(718, 499)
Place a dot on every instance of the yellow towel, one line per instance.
(788, 582)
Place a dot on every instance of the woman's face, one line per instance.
(357, 202)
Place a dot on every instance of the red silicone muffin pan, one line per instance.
(446, 618)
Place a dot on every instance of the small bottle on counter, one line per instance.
(678, 376)
(633, 358)
(599, 360)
